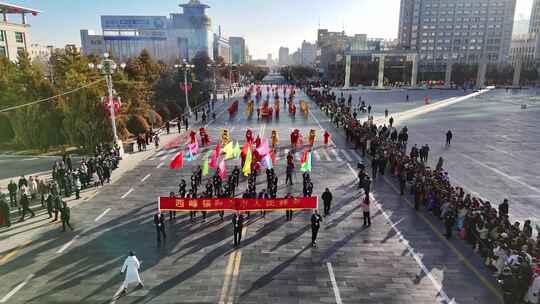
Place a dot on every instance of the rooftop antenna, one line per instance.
(319, 22)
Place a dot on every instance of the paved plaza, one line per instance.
(402, 258)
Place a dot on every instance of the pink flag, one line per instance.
(222, 170)
(218, 149)
(194, 147)
(213, 160)
(264, 148)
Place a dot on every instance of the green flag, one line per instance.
(237, 151)
(205, 167)
(306, 166)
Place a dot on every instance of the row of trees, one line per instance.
(149, 91)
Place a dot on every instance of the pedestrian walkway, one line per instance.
(320, 153)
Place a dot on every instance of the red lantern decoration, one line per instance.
(34, 13)
(183, 88)
(116, 105)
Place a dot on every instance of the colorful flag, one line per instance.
(189, 155)
(218, 149)
(304, 156)
(267, 161)
(229, 150)
(205, 167)
(222, 169)
(245, 148)
(178, 161)
(237, 151)
(213, 160)
(273, 157)
(263, 148)
(194, 147)
(247, 164)
(306, 166)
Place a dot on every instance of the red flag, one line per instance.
(245, 148)
(304, 156)
(178, 161)
(273, 157)
(222, 170)
(218, 149)
(213, 160)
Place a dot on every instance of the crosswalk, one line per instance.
(319, 154)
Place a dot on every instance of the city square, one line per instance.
(110, 138)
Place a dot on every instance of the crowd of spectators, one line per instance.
(66, 180)
(509, 249)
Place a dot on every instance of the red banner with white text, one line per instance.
(236, 204)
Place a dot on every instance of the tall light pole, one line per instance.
(185, 66)
(107, 68)
(213, 66)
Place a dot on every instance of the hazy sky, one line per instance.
(266, 24)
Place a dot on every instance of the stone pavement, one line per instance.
(399, 259)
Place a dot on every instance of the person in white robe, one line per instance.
(533, 295)
(131, 268)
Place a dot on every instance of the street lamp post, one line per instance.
(185, 66)
(107, 68)
(213, 66)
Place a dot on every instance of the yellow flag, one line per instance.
(228, 150)
(247, 164)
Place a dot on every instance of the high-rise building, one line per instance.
(14, 34)
(521, 26)
(238, 50)
(222, 48)
(269, 60)
(309, 53)
(534, 22)
(181, 36)
(466, 31)
(283, 56)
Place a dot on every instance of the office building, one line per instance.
(283, 56)
(222, 48)
(238, 50)
(179, 36)
(309, 53)
(464, 31)
(534, 21)
(524, 48)
(521, 26)
(41, 52)
(15, 30)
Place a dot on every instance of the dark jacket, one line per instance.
(327, 196)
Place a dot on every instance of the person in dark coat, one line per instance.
(327, 201)
(4, 211)
(238, 225)
(503, 208)
(25, 205)
(316, 220)
(159, 222)
(449, 136)
(65, 216)
(12, 188)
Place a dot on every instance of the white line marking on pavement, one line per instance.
(357, 156)
(334, 283)
(347, 156)
(68, 244)
(116, 294)
(336, 154)
(499, 150)
(512, 178)
(164, 156)
(127, 193)
(411, 251)
(160, 165)
(316, 154)
(102, 214)
(145, 178)
(17, 288)
(326, 155)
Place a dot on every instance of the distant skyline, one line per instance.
(266, 25)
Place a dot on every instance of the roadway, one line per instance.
(401, 258)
